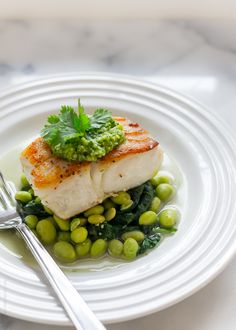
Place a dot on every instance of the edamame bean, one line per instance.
(31, 221)
(79, 235)
(47, 209)
(96, 219)
(158, 179)
(115, 248)
(23, 196)
(98, 248)
(108, 204)
(130, 248)
(46, 231)
(74, 223)
(52, 220)
(83, 221)
(99, 209)
(168, 218)
(24, 181)
(148, 218)
(31, 191)
(63, 224)
(64, 251)
(126, 206)
(135, 234)
(123, 198)
(82, 249)
(63, 236)
(155, 204)
(110, 214)
(37, 200)
(164, 191)
(162, 230)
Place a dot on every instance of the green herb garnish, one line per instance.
(76, 136)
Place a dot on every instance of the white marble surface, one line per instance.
(197, 58)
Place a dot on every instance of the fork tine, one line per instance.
(5, 201)
(2, 201)
(9, 191)
(12, 190)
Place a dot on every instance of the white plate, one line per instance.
(203, 150)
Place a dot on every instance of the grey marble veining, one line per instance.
(197, 58)
(139, 48)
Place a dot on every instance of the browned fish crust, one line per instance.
(137, 140)
(49, 170)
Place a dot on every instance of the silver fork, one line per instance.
(76, 308)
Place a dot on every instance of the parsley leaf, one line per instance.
(99, 118)
(76, 136)
(81, 122)
(53, 119)
(65, 126)
(70, 118)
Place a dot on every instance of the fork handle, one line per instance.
(76, 308)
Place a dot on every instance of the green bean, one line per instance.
(82, 249)
(168, 218)
(148, 218)
(23, 196)
(110, 214)
(108, 204)
(164, 191)
(63, 224)
(98, 209)
(155, 204)
(24, 181)
(135, 234)
(74, 224)
(31, 221)
(96, 219)
(46, 231)
(63, 236)
(123, 198)
(47, 209)
(98, 248)
(79, 235)
(64, 251)
(158, 179)
(115, 248)
(130, 248)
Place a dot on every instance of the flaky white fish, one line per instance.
(69, 188)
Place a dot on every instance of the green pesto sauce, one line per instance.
(75, 136)
(93, 145)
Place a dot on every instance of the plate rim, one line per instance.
(122, 77)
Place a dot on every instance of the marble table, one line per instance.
(197, 58)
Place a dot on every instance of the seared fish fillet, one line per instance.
(69, 188)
